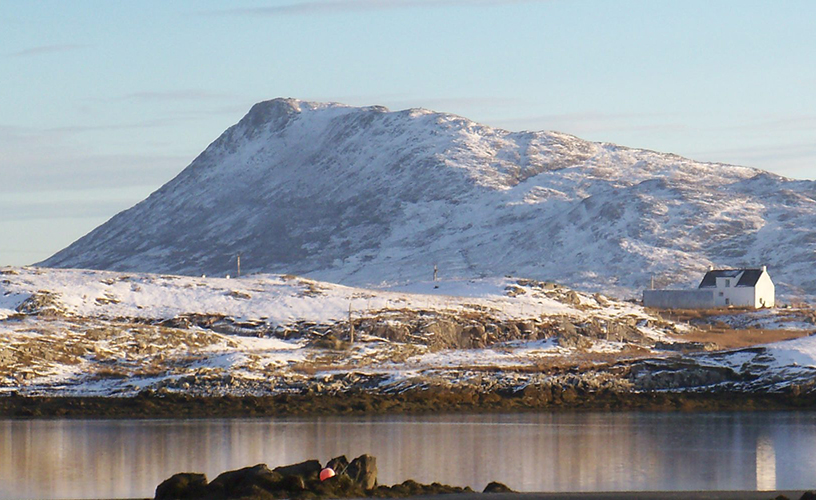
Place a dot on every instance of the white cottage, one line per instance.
(719, 288)
(740, 287)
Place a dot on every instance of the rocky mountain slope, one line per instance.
(362, 196)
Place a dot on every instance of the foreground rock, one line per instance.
(301, 481)
(808, 495)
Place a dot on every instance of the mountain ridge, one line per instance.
(366, 195)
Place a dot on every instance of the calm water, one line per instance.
(530, 452)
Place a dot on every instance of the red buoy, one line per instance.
(326, 473)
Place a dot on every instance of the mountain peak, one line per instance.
(365, 195)
(275, 113)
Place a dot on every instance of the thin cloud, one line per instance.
(75, 129)
(777, 123)
(41, 160)
(593, 123)
(15, 134)
(90, 207)
(173, 95)
(790, 160)
(72, 170)
(9, 134)
(47, 49)
(444, 103)
(318, 7)
(769, 152)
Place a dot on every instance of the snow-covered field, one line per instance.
(84, 332)
(272, 299)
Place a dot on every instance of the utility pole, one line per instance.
(652, 286)
(351, 327)
(239, 265)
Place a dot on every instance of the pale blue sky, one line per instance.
(102, 102)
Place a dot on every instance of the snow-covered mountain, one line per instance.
(362, 196)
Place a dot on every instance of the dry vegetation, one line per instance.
(707, 326)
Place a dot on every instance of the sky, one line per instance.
(102, 102)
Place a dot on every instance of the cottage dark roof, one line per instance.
(749, 277)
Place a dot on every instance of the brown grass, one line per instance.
(723, 335)
(727, 338)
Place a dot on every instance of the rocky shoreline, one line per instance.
(309, 480)
(303, 481)
(416, 401)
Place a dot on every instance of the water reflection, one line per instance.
(531, 452)
(765, 464)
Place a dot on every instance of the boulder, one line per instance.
(443, 334)
(363, 471)
(391, 330)
(329, 341)
(249, 481)
(510, 331)
(309, 469)
(571, 298)
(182, 486)
(338, 464)
(497, 487)
(568, 336)
(411, 488)
(474, 336)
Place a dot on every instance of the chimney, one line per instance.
(711, 267)
(764, 269)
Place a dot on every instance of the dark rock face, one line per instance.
(182, 486)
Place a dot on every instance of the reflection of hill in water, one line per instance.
(530, 452)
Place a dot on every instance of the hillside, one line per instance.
(362, 196)
(100, 333)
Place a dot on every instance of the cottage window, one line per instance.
(727, 283)
(722, 293)
(727, 301)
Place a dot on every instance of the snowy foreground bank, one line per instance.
(95, 333)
